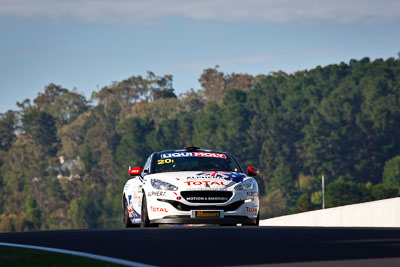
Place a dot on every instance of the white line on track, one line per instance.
(81, 254)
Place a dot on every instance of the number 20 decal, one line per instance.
(165, 161)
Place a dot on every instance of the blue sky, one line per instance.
(88, 44)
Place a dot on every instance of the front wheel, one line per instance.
(126, 222)
(145, 221)
(254, 224)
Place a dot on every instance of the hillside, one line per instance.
(64, 158)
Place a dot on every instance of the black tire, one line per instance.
(258, 220)
(254, 224)
(145, 221)
(229, 224)
(126, 222)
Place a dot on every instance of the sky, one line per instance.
(88, 44)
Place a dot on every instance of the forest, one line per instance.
(64, 158)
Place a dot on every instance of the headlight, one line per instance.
(246, 185)
(161, 185)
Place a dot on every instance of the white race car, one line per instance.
(190, 186)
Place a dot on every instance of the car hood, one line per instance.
(200, 180)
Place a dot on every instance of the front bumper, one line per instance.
(182, 219)
(170, 208)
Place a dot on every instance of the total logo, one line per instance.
(206, 183)
(157, 209)
(249, 209)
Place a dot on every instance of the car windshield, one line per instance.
(194, 161)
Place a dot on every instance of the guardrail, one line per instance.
(380, 213)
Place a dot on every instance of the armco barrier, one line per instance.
(381, 213)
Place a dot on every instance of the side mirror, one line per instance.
(252, 171)
(135, 171)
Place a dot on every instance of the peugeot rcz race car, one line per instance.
(190, 186)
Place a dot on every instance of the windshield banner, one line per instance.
(193, 154)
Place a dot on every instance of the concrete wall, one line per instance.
(381, 213)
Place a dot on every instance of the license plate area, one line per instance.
(207, 214)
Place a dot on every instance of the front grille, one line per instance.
(183, 207)
(206, 196)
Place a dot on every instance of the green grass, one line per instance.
(11, 256)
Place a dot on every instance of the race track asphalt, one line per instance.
(228, 246)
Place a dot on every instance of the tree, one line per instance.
(133, 148)
(76, 215)
(381, 191)
(101, 140)
(232, 123)
(32, 212)
(340, 193)
(282, 180)
(216, 83)
(340, 120)
(61, 103)
(84, 211)
(273, 205)
(165, 137)
(41, 127)
(7, 128)
(213, 83)
(391, 172)
(303, 203)
(158, 111)
(239, 81)
(130, 91)
(205, 126)
(72, 138)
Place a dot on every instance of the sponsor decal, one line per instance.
(207, 214)
(156, 194)
(206, 183)
(198, 177)
(252, 194)
(157, 209)
(224, 199)
(135, 171)
(205, 189)
(129, 206)
(133, 214)
(165, 161)
(229, 176)
(136, 220)
(206, 175)
(193, 154)
(250, 209)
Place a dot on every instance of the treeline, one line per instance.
(64, 158)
